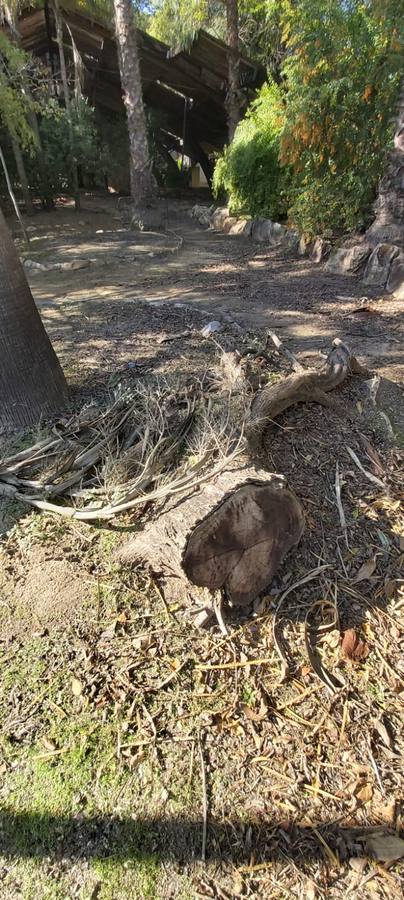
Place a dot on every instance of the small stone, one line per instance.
(210, 328)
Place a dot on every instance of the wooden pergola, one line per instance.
(189, 88)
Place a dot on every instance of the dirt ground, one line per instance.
(121, 722)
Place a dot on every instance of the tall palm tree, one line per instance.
(32, 384)
(141, 178)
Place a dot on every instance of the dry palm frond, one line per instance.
(155, 440)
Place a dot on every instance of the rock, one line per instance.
(219, 216)
(305, 245)
(202, 214)
(320, 250)
(291, 240)
(378, 266)
(34, 265)
(348, 260)
(241, 226)
(395, 283)
(228, 223)
(210, 328)
(278, 232)
(261, 230)
(72, 265)
(266, 231)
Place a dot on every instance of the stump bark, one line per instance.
(231, 535)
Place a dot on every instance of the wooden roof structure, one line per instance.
(188, 87)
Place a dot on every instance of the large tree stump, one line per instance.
(230, 535)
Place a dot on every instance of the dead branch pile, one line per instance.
(157, 441)
(219, 523)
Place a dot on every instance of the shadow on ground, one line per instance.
(25, 835)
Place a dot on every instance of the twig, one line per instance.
(376, 770)
(232, 665)
(218, 609)
(282, 349)
(366, 472)
(305, 580)
(339, 504)
(332, 684)
(204, 802)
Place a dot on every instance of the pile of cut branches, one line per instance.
(154, 441)
(220, 521)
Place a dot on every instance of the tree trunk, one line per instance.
(231, 535)
(22, 175)
(388, 226)
(32, 384)
(233, 94)
(141, 178)
(66, 94)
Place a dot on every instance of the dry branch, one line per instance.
(311, 385)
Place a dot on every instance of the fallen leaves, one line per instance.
(352, 646)
(366, 570)
(385, 847)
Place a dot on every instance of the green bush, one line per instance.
(248, 173)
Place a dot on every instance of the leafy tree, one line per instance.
(249, 172)
(342, 72)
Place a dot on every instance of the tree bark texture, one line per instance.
(32, 383)
(388, 226)
(230, 535)
(66, 95)
(141, 178)
(233, 94)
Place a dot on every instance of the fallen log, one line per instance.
(231, 535)
(309, 386)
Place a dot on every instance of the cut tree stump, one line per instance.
(308, 386)
(231, 535)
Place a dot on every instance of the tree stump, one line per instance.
(230, 535)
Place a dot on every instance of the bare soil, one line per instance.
(120, 720)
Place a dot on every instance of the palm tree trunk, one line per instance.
(233, 57)
(22, 175)
(141, 178)
(66, 94)
(32, 384)
(388, 225)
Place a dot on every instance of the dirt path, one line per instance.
(100, 313)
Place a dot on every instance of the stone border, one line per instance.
(378, 266)
(35, 266)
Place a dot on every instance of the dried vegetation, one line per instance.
(268, 745)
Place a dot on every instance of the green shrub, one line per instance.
(248, 173)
